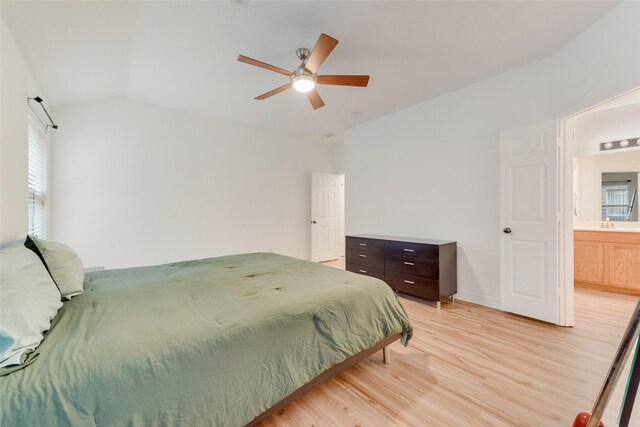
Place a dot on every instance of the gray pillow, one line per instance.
(28, 301)
(64, 265)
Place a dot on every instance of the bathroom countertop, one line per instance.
(614, 229)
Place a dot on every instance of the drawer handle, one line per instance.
(409, 250)
(363, 256)
(409, 263)
(362, 244)
(362, 271)
(410, 282)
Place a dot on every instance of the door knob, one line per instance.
(314, 222)
(506, 230)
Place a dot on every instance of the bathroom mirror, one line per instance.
(607, 186)
(619, 196)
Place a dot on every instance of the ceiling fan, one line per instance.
(305, 77)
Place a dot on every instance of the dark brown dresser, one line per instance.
(420, 267)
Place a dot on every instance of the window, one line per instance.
(615, 202)
(619, 194)
(37, 179)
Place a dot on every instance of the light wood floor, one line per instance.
(471, 365)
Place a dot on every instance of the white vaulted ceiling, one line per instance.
(183, 54)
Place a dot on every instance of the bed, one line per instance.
(221, 341)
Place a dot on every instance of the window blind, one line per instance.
(37, 177)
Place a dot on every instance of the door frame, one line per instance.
(566, 308)
(566, 145)
(342, 252)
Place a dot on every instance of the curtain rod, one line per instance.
(39, 101)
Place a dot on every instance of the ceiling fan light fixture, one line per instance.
(303, 81)
(305, 78)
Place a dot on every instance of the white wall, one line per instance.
(607, 125)
(137, 184)
(338, 158)
(16, 85)
(432, 170)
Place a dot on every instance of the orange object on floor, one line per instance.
(582, 419)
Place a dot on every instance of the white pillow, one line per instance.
(64, 265)
(29, 300)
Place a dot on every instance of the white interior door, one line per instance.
(325, 228)
(529, 221)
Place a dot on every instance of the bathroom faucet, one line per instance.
(607, 223)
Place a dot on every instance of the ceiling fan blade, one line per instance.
(321, 50)
(360, 81)
(264, 65)
(314, 98)
(273, 92)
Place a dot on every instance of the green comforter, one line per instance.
(207, 342)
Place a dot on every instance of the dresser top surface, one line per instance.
(403, 239)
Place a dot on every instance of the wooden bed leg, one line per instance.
(438, 304)
(386, 355)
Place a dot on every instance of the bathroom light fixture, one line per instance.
(620, 144)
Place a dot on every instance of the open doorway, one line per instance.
(605, 144)
(540, 208)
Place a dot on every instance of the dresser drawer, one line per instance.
(414, 250)
(423, 268)
(369, 259)
(378, 273)
(413, 285)
(363, 244)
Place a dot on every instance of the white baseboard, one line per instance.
(475, 298)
